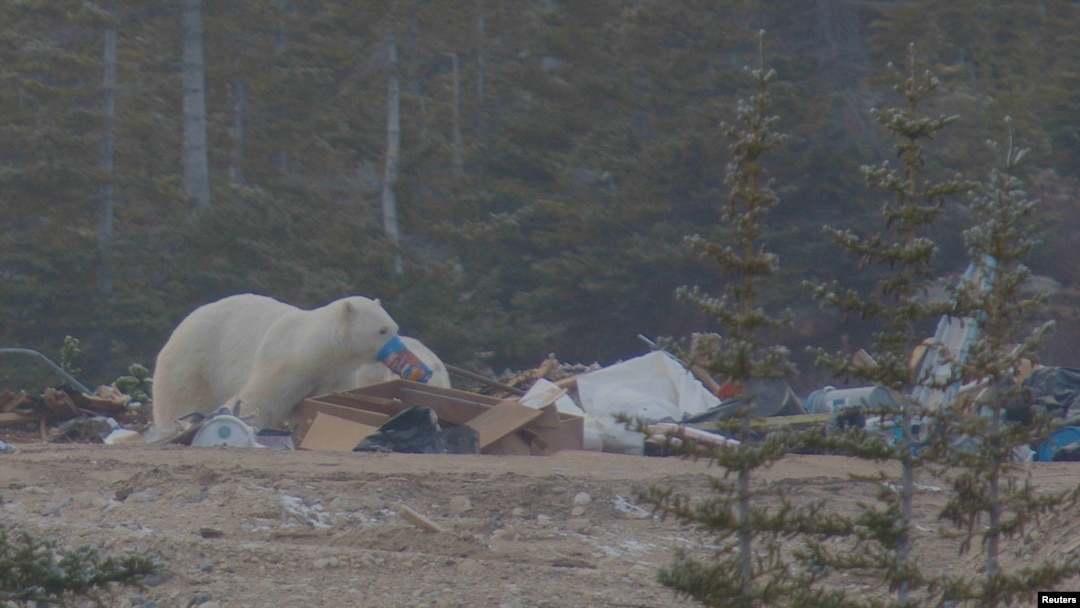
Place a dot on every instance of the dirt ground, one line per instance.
(256, 528)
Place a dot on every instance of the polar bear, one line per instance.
(265, 354)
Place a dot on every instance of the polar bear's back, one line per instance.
(210, 354)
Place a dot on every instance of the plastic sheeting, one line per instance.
(653, 386)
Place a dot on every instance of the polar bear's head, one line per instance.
(366, 326)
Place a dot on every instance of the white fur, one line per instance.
(268, 354)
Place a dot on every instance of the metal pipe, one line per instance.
(55, 367)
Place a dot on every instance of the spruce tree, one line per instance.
(913, 203)
(992, 498)
(751, 566)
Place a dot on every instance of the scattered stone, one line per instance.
(558, 490)
(338, 504)
(207, 532)
(210, 605)
(518, 512)
(544, 519)
(577, 511)
(373, 503)
(468, 567)
(205, 565)
(145, 496)
(460, 504)
(582, 498)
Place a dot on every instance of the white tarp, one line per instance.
(653, 386)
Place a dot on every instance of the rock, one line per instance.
(577, 511)
(460, 504)
(582, 498)
(543, 519)
(205, 565)
(145, 496)
(518, 512)
(207, 532)
(338, 504)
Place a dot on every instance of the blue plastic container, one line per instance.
(1061, 438)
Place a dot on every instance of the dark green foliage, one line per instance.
(33, 570)
(137, 383)
(753, 529)
(992, 498)
(596, 126)
(68, 353)
(905, 252)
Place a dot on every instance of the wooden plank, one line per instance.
(799, 419)
(418, 520)
(312, 407)
(11, 418)
(501, 420)
(334, 434)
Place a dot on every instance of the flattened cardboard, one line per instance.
(334, 434)
(504, 426)
(569, 436)
(363, 416)
(501, 420)
(509, 445)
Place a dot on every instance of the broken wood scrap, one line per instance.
(105, 399)
(9, 400)
(60, 403)
(513, 390)
(418, 520)
(13, 418)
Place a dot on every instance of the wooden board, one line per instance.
(501, 420)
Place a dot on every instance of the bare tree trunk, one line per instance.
(236, 170)
(393, 151)
(479, 67)
(196, 165)
(279, 41)
(108, 167)
(458, 159)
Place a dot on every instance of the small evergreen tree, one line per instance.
(33, 570)
(992, 498)
(899, 301)
(751, 566)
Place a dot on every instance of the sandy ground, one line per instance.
(242, 527)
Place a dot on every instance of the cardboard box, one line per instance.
(334, 434)
(505, 426)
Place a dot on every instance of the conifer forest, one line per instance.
(511, 178)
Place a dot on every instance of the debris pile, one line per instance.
(63, 414)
